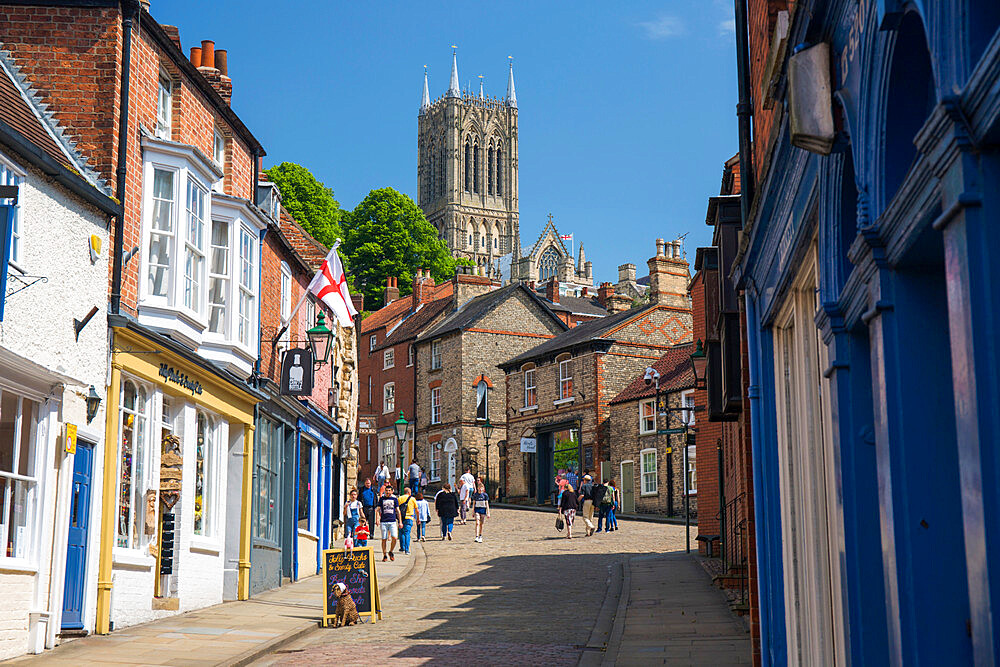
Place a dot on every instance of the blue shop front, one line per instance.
(319, 483)
(868, 266)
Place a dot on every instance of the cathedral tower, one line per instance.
(467, 170)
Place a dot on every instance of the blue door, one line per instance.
(76, 551)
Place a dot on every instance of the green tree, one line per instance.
(387, 235)
(308, 201)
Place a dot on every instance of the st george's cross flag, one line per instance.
(329, 285)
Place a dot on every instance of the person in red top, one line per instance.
(361, 533)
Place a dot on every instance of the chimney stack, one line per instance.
(617, 303)
(469, 285)
(423, 287)
(604, 293)
(626, 273)
(668, 275)
(214, 66)
(174, 33)
(552, 290)
(391, 290)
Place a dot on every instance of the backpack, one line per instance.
(601, 495)
(403, 507)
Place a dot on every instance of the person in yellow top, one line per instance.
(408, 510)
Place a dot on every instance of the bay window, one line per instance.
(194, 253)
(161, 232)
(19, 475)
(246, 286)
(218, 278)
(133, 463)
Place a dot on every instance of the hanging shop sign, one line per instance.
(171, 374)
(297, 372)
(367, 426)
(529, 445)
(70, 439)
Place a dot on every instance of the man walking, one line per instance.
(368, 500)
(469, 480)
(407, 515)
(587, 496)
(387, 516)
(413, 476)
(381, 476)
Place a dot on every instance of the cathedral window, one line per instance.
(441, 162)
(476, 151)
(468, 169)
(498, 189)
(489, 169)
(548, 263)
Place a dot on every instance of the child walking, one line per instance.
(361, 533)
(423, 517)
(481, 508)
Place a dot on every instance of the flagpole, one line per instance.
(298, 306)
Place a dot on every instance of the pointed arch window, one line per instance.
(441, 161)
(498, 188)
(489, 169)
(476, 174)
(468, 167)
(548, 263)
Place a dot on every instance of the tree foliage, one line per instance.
(387, 235)
(308, 200)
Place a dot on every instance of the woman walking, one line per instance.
(446, 505)
(481, 508)
(615, 504)
(423, 517)
(464, 491)
(568, 506)
(353, 511)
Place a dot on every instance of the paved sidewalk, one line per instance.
(670, 613)
(232, 633)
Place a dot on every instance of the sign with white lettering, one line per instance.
(529, 445)
(297, 373)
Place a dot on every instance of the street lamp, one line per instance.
(93, 403)
(699, 363)
(320, 340)
(401, 426)
(487, 432)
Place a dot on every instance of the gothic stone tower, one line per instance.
(467, 170)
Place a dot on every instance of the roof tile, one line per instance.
(675, 372)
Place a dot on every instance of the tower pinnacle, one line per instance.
(425, 101)
(481, 77)
(511, 95)
(454, 90)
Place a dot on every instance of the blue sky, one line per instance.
(626, 110)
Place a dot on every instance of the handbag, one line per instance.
(560, 524)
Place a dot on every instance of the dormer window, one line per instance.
(164, 107)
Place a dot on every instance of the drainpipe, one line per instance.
(744, 110)
(130, 11)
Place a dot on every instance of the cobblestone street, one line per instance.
(526, 595)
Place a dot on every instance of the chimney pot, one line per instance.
(207, 53)
(196, 56)
(660, 243)
(222, 62)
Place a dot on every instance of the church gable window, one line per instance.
(548, 263)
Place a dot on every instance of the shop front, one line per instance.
(176, 524)
(319, 476)
(559, 452)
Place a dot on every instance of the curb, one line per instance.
(261, 650)
(646, 518)
(618, 629)
(593, 653)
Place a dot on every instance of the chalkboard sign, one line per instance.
(356, 570)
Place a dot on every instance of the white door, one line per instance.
(452, 465)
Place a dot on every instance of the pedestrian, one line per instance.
(586, 496)
(571, 477)
(423, 517)
(381, 476)
(568, 506)
(446, 505)
(352, 512)
(602, 498)
(361, 533)
(388, 518)
(408, 514)
(481, 508)
(413, 473)
(368, 498)
(464, 491)
(469, 480)
(616, 504)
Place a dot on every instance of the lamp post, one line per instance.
(652, 376)
(699, 364)
(401, 426)
(320, 340)
(487, 433)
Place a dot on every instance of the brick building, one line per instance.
(459, 383)
(559, 391)
(387, 370)
(656, 472)
(184, 295)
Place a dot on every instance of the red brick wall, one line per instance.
(707, 436)
(761, 18)
(72, 57)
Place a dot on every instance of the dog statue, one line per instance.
(346, 612)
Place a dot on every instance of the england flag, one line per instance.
(329, 285)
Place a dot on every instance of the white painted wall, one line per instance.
(37, 334)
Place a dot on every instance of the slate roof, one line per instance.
(412, 326)
(476, 308)
(675, 374)
(23, 113)
(579, 305)
(400, 307)
(584, 333)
